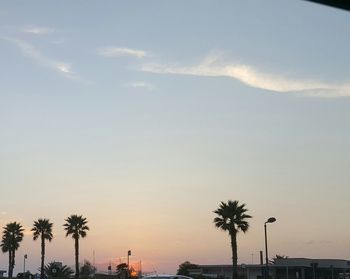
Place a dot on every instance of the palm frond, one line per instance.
(232, 217)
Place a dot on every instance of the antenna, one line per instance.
(93, 260)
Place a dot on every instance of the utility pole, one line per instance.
(93, 260)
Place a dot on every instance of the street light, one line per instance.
(24, 265)
(270, 220)
(129, 254)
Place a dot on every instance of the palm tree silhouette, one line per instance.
(76, 226)
(42, 228)
(232, 217)
(6, 248)
(57, 270)
(12, 235)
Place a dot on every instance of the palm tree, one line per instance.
(232, 217)
(76, 226)
(57, 270)
(12, 235)
(6, 248)
(42, 228)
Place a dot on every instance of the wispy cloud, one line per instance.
(249, 75)
(64, 68)
(35, 30)
(141, 85)
(318, 242)
(117, 52)
(33, 53)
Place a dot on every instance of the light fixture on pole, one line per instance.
(270, 220)
(129, 254)
(24, 264)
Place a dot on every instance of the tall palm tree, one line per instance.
(232, 217)
(42, 228)
(12, 235)
(6, 248)
(76, 226)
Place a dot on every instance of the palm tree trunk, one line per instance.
(13, 260)
(42, 275)
(10, 261)
(77, 257)
(234, 255)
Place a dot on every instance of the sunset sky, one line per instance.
(143, 115)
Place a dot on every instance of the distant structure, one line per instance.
(289, 268)
(116, 268)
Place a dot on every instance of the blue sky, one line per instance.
(144, 115)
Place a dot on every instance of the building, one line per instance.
(289, 268)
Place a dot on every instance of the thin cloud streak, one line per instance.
(250, 76)
(118, 52)
(35, 30)
(142, 85)
(33, 53)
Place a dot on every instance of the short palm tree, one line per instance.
(12, 235)
(57, 270)
(232, 217)
(42, 228)
(76, 226)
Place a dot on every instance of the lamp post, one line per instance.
(244, 271)
(24, 265)
(270, 220)
(129, 254)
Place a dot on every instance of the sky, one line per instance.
(143, 116)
